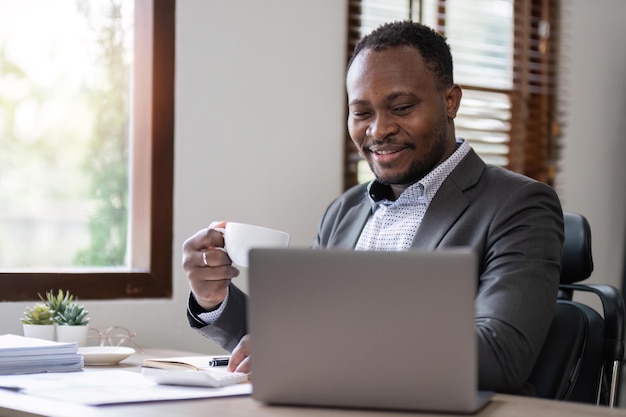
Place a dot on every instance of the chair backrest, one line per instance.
(559, 363)
(576, 257)
(581, 342)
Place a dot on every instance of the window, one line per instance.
(505, 59)
(128, 252)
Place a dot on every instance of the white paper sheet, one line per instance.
(110, 387)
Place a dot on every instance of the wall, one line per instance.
(259, 131)
(260, 118)
(593, 176)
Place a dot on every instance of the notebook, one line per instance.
(371, 330)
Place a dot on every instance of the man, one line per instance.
(431, 190)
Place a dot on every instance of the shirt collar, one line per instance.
(427, 186)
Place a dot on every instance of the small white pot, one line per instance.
(40, 331)
(76, 334)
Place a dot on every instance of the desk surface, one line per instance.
(18, 405)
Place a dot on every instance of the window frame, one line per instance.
(534, 137)
(150, 275)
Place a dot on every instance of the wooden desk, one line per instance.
(18, 405)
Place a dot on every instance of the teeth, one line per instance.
(384, 152)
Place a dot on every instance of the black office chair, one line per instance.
(582, 356)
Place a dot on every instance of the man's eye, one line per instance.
(359, 114)
(402, 109)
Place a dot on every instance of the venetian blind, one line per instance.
(505, 59)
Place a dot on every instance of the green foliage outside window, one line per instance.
(107, 163)
(64, 137)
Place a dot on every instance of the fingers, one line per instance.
(240, 357)
(218, 225)
(208, 268)
(211, 257)
(203, 239)
(244, 366)
(205, 249)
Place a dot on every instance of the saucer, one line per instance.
(105, 355)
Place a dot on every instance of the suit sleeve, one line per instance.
(230, 327)
(518, 286)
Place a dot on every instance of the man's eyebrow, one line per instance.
(398, 94)
(358, 102)
(390, 97)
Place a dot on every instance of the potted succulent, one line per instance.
(61, 317)
(57, 303)
(38, 322)
(72, 320)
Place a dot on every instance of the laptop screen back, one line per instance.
(385, 330)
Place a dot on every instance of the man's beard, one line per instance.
(418, 169)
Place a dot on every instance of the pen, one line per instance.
(218, 361)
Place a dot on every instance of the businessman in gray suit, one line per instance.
(431, 191)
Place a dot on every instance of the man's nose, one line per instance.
(381, 127)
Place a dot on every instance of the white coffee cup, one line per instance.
(239, 238)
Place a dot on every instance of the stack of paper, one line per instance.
(26, 355)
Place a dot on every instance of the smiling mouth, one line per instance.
(387, 150)
(384, 152)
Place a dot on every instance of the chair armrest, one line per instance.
(613, 312)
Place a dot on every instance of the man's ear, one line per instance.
(453, 100)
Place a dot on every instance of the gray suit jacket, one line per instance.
(513, 223)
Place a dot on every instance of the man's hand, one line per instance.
(240, 357)
(208, 267)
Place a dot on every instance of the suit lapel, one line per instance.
(349, 230)
(449, 202)
(444, 210)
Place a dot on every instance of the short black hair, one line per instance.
(432, 46)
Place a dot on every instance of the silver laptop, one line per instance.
(380, 330)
